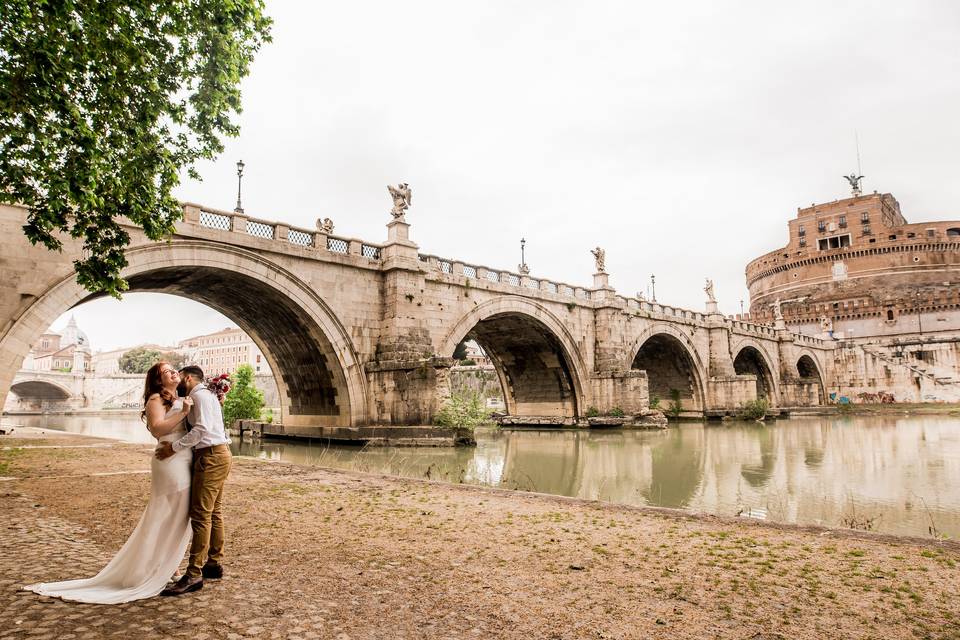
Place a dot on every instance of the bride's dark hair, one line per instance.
(154, 384)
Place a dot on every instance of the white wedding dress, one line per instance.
(152, 553)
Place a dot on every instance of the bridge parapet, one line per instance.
(319, 240)
(521, 282)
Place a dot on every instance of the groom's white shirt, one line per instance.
(206, 420)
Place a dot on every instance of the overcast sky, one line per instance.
(680, 137)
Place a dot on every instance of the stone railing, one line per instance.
(278, 232)
(664, 310)
(752, 327)
(810, 340)
(508, 278)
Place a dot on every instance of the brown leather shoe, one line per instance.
(212, 571)
(186, 584)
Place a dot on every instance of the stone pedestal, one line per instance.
(398, 230)
(601, 289)
(399, 250)
(712, 307)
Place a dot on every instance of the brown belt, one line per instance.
(215, 448)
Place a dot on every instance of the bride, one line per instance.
(153, 551)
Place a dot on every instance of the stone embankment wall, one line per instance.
(910, 368)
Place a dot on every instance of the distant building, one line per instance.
(60, 351)
(223, 352)
(476, 353)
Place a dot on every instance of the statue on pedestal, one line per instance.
(826, 325)
(401, 199)
(854, 181)
(777, 309)
(325, 225)
(709, 291)
(600, 256)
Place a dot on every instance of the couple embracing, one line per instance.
(191, 463)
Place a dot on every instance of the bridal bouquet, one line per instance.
(220, 385)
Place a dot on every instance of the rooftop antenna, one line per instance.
(855, 178)
(856, 138)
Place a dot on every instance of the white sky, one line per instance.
(680, 137)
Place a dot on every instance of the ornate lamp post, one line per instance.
(240, 165)
(653, 287)
(523, 268)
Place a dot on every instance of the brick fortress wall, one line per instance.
(856, 270)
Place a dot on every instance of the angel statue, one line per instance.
(325, 225)
(709, 289)
(854, 181)
(401, 199)
(600, 256)
(777, 309)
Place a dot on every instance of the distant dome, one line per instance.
(73, 335)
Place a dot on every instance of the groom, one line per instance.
(211, 466)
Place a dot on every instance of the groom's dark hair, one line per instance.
(192, 370)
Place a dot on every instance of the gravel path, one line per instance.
(317, 553)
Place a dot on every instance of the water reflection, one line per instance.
(901, 473)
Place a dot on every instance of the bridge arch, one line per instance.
(809, 370)
(35, 394)
(538, 362)
(671, 361)
(318, 373)
(751, 358)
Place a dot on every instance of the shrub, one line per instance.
(617, 412)
(465, 410)
(655, 402)
(675, 405)
(754, 409)
(468, 362)
(244, 401)
(592, 412)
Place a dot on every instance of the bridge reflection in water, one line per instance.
(896, 474)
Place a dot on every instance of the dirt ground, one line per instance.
(319, 553)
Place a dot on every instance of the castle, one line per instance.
(856, 271)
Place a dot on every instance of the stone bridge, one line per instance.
(361, 333)
(47, 390)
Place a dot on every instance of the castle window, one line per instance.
(803, 242)
(865, 217)
(836, 242)
(821, 226)
(842, 221)
(953, 232)
(801, 231)
(931, 233)
(866, 230)
(889, 314)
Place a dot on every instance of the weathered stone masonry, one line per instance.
(362, 333)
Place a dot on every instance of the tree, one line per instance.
(244, 401)
(139, 360)
(104, 104)
(460, 351)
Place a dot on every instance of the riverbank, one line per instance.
(902, 408)
(320, 553)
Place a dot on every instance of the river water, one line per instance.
(893, 474)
